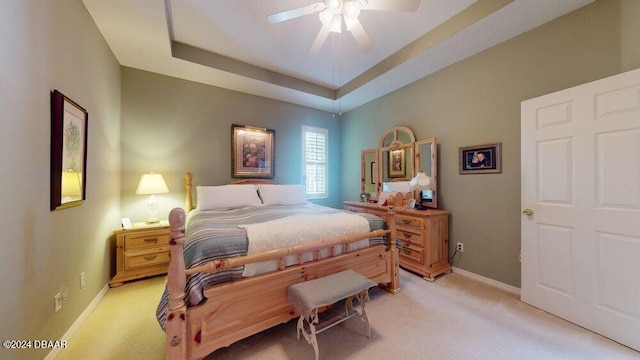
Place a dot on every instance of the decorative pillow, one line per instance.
(226, 197)
(282, 194)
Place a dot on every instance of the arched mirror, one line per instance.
(396, 156)
(426, 161)
(398, 160)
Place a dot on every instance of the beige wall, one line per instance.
(172, 126)
(53, 45)
(477, 101)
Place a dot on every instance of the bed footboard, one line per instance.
(229, 314)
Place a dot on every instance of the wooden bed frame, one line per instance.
(235, 310)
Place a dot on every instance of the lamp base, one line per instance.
(152, 221)
(419, 206)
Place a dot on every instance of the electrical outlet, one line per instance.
(57, 302)
(460, 247)
(82, 278)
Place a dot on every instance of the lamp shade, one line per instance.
(422, 181)
(151, 184)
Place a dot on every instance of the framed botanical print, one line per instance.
(397, 163)
(68, 152)
(252, 152)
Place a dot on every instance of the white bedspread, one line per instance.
(298, 229)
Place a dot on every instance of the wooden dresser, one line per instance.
(424, 234)
(141, 251)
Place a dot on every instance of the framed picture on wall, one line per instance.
(252, 152)
(480, 159)
(397, 163)
(68, 152)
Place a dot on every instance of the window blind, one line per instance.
(315, 161)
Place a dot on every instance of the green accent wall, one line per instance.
(477, 101)
(171, 126)
(51, 45)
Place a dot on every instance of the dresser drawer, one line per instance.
(411, 236)
(412, 254)
(410, 221)
(141, 259)
(145, 240)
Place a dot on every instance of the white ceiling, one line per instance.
(230, 44)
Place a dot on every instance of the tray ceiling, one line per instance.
(230, 44)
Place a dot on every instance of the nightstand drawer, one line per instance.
(411, 236)
(353, 208)
(145, 240)
(410, 221)
(136, 260)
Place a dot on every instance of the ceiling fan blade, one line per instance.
(294, 13)
(391, 5)
(361, 37)
(322, 36)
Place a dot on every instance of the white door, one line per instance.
(581, 182)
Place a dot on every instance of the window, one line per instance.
(315, 151)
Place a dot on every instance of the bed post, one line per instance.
(394, 286)
(188, 178)
(176, 342)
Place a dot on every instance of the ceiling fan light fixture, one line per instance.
(352, 9)
(335, 5)
(336, 24)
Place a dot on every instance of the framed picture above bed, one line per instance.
(252, 152)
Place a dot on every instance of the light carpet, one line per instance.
(455, 317)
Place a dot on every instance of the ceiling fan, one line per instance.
(333, 12)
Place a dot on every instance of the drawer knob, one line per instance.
(151, 240)
(150, 257)
(406, 221)
(407, 235)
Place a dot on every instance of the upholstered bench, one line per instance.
(307, 297)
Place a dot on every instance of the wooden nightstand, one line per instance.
(141, 251)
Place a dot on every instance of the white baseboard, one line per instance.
(501, 285)
(81, 319)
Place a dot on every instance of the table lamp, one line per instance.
(152, 184)
(422, 182)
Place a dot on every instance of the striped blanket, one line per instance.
(211, 235)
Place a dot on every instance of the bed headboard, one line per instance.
(190, 205)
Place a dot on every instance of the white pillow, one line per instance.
(226, 197)
(282, 194)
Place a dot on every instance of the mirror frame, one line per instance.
(394, 145)
(367, 168)
(434, 167)
(413, 161)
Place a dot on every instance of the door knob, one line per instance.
(527, 212)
